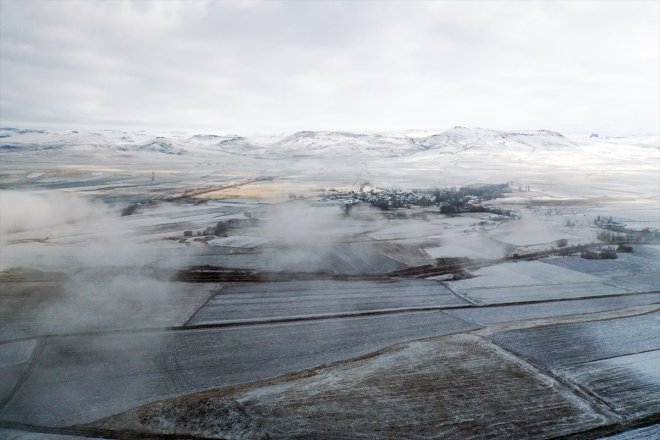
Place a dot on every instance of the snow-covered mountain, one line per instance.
(303, 144)
(337, 143)
(411, 159)
(156, 145)
(32, 140)
(466, 138)
(233, 144)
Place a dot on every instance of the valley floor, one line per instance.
(202, 300)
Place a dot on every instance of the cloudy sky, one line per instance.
(285, 66)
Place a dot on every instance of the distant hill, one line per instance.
(302, 144)
(467, 138)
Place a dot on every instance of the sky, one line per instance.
(244, 67)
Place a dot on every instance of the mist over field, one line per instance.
(374, 220)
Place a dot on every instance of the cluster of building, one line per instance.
(610, 224)
(617, 232)
(449, 201)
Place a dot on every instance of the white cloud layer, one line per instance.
(285, 66)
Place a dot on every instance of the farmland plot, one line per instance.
(81, 378)
(338, 258)
(569, 344)
(639, 271)
(13, 434)
(530, 281)
(29, 309)
(491, 315)
(14, 364)
(255, 301)
(615, 360)
(457, 387)
(647, 432)
(628, 384)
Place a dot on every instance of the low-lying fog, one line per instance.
(63, 196)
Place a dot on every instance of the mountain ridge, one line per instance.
(305, 143)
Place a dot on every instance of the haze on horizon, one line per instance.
(363, 66)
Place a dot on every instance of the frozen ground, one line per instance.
(81, 378)
(492, 315)
(648, 432)
(338, 258)
(628, 384)
(637, 271)
(92, 325)
(32, 309)
(467, 245)
(571, 344)
(14, 363)
(531, 281)
(453, 386)
(259, 301)
(616, 360)
(13, 434)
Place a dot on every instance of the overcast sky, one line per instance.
(285, 66)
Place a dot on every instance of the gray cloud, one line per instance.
(283, 66)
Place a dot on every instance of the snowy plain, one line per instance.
(87, 291)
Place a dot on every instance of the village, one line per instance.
(215, 292)
(329, 220)
(448, 200)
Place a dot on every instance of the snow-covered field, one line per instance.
(530, 281)
(286, 300)
(549, 162)
(99, 375)
(375, 397)
(592, 355)
(95, 228)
